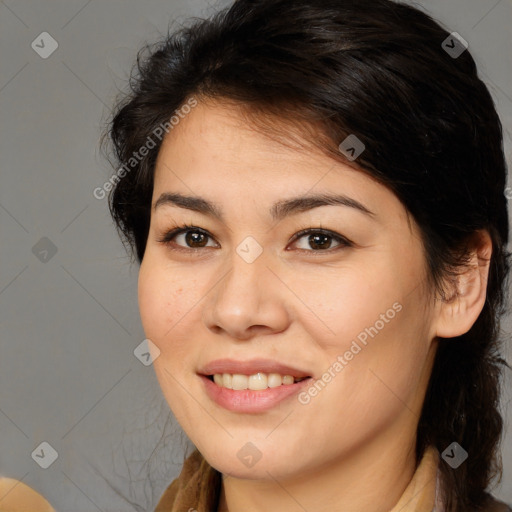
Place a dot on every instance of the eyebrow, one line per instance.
(278, 211)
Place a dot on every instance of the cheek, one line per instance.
(162, 298)
(346, 302)
(372, 387)
(377, 322)
(162, 294)
(383, 363)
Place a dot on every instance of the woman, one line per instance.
(315, 192)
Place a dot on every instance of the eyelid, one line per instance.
(173, 232)
(343, 241)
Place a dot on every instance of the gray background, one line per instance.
(69, 325)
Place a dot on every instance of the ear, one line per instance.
(467, 292)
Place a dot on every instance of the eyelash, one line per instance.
(169, 235)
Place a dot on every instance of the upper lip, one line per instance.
(250, 367)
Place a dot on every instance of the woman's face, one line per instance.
(240, 294)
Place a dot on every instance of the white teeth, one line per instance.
(255, 382)
(227, 380)
(258, 381)
(274, 380)
(240, 381)
(287, 379)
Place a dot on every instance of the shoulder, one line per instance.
(15, 496)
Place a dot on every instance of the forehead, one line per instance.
(222, 128)
(220, 139)
(215, 155)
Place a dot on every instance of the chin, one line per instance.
(250, 463)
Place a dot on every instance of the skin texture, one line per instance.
(351, 447)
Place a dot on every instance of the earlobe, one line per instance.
(468, 289)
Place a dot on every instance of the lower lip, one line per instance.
(249, 401)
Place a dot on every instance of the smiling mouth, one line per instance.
(255, 382)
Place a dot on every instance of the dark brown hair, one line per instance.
(376, 69)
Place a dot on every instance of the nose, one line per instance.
(249, 300)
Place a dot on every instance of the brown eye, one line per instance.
(319, 240)
(195, 239)
(186, 237)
